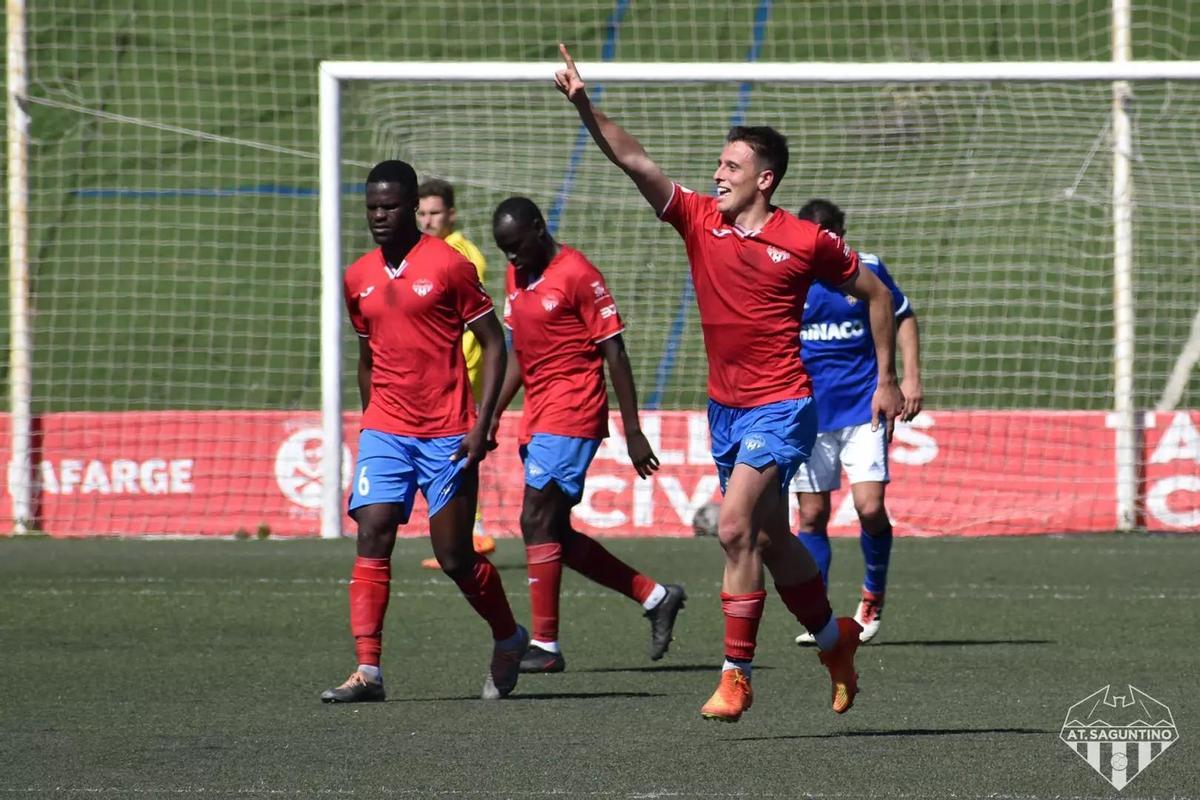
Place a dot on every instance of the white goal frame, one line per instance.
(1120, 71)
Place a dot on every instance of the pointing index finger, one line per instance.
(566, 57)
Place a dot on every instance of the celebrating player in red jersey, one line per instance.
(565, 326)
(409, 300)
(752, 264)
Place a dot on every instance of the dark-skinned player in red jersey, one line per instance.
(565, 328)
(752, 264)
(409, 300)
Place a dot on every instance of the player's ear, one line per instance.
(766, 180)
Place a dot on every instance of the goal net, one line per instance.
(991, 203)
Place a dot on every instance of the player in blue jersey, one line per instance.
(838, 350)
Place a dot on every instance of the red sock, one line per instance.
(589, 558)
(742, 613)
(808, 602)
(485, 593)
(369, 582)
(545, 577)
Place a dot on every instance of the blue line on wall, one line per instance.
(607, 53)
(261, 190)
(666, 365)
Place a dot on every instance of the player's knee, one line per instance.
(375, 538)
(871, 513)
(734, 533)
(456, 563)
(813, 519)
(535, 525)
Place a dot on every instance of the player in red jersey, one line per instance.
(565, 327)
(752, 264)
(409, 300)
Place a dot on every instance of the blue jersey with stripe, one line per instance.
(839, 351)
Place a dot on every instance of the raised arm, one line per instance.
(887, 403)
(615, 142)
(621, 373)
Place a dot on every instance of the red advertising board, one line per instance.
(968, 473)
(1171, 490)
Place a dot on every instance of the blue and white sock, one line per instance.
(877, 552)
(827, 637)
(818, 547)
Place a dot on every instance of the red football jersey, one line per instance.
(750, 288)
(413, 314)
(557, 323)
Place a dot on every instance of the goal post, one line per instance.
(20, 466)
(334, 76)
(331, 304)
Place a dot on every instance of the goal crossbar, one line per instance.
(765, 71)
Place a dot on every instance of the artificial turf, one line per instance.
(192, 668)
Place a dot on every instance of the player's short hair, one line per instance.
(769, 146)
(436, 187)
(825, 213)
(522, 210)
(397, 172)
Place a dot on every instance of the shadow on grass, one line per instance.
(959, 642)
(526, 696)
(710, 667)
(900, 732)
(579, 695)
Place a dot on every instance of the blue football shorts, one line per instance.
(562, 459)
(782, 432)
(391, 468)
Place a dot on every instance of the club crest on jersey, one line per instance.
(599, 290)
(549, 303)
(778, 255)
(840, 241)
(422, 287)
(851, 299)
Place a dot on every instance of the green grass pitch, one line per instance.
(191, 670)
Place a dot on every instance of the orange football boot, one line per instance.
(732, 697)
(840, 663)
(482, 544)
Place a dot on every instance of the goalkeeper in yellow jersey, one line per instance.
(436, 216)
